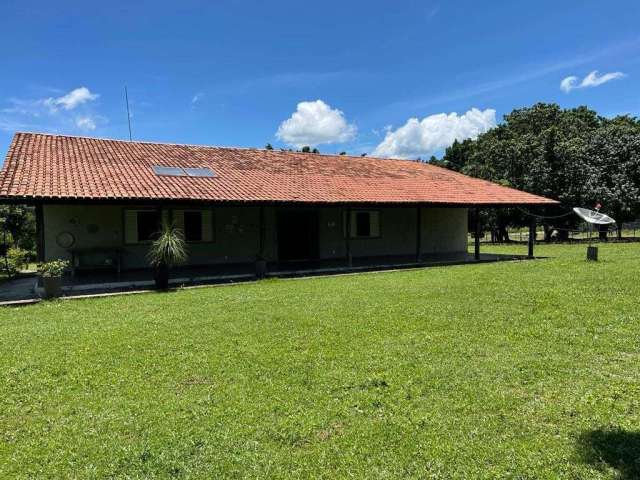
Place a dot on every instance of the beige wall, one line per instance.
(236, 233)
(444, 230)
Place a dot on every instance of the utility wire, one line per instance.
(544, 216)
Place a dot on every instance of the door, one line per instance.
(297, 235)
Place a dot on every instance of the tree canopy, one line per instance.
(572, 155)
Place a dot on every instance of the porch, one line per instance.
(101, 282)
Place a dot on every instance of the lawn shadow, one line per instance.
(615, 448)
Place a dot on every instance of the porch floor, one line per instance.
(109, 282)
(95, 283)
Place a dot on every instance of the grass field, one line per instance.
(507, 370)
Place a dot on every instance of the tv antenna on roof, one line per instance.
(126, 98)
(593, 217)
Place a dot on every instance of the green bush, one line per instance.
(54, 268)
(17, 260)
(169, 249)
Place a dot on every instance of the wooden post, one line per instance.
(476, 253)
(348, 238)
(262, 234)
(532, 236)
(261, 262)
(418, 234)
(39, 233)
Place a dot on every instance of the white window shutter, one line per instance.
(374, 225)
(207, 225)
(130, 226)
(178, 220)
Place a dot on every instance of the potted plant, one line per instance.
(51, 274)
(169, 249)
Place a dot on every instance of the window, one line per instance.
(364, 224)
(193, 226)
(141, 226)
(196, 224)
(147, 224)
(183, 172)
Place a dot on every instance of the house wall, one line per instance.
(236, 233)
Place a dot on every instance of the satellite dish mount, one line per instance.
(593, 217)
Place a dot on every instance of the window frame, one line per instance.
(354, 212)
(184, 225)
(156, 211)
(201, 211)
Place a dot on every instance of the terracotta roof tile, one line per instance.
(42, 166)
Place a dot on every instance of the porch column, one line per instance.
(348, 238)
(476, 253)
(39, 232)
(418, 233)
(261, 234)
(532, 236)
(261, 262)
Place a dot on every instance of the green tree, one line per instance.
(20, 224)
(572, 155)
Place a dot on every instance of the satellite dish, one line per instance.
(591, 216)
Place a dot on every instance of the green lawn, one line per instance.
(506, 370)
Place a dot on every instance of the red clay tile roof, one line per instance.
(42, 166)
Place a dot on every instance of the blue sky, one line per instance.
(383, 78)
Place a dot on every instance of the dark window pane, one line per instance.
(363, 224)
(199, 172)
(148, 226)
(193, 226)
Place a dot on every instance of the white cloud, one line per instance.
(593, 79)
(72, 99)
(435, 132)
(568, 84)
(196, 98)
(85, 123)
(71, 112)
(314, 123)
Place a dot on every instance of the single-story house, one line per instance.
(100, 202)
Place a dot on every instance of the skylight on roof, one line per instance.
(199, 172)
(183, 172)
(169, 171)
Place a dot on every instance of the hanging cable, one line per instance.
(544, 216)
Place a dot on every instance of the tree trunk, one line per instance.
(563, 235)
(503, 234)
(547, 233)
(602, 232)
(619, 233)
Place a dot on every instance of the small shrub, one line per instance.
(17, 259)
(54, 268)
(168, 250)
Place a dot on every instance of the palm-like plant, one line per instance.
(169, 249)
